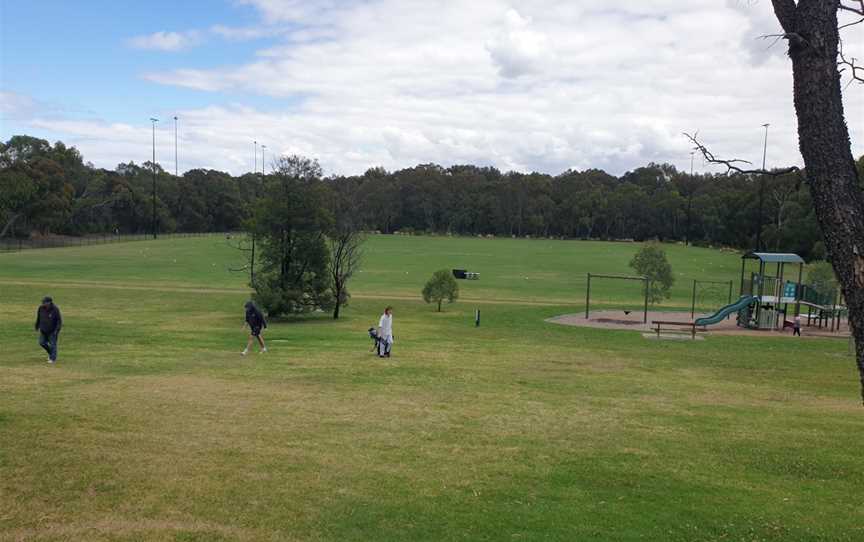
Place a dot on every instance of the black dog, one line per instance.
(373, 334)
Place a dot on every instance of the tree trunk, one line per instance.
(811, 28)
(439, 305)
(336, 309)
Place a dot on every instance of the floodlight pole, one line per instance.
(153, 165)
(255, 157)
(176, 161)
(689, 203)
(762, 189)
(263, 172)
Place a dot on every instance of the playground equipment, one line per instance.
(644, 280)
(765, 298)
(767, 301)
(741, 307)
(772, 294)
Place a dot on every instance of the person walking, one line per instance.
(385, 333)
(796, 326)
(48, 324)
(256, 322)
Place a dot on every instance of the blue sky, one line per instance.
(76, 56)
(540, 85)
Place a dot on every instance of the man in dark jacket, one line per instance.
(256, 322)
(48, 324)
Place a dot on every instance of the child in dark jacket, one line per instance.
(256, 322)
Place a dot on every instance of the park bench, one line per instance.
(666, 325)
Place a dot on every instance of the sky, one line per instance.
(533, 85)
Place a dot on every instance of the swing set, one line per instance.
(640, 278)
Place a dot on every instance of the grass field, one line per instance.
(152, 427)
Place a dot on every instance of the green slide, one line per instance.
(743, 302)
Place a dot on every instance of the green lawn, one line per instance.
(511, 269)
(152, 427)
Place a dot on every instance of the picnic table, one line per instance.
(668, 325)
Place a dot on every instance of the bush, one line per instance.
(441, 286)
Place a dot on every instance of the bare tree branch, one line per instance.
(853, 23)
(731, 165)
(240, 245)
(791, 36)
(850, 66)
(854, 6)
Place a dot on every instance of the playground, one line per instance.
(765, 303)
(617, 320)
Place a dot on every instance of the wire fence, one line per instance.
(15, 245)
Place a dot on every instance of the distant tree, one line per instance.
(34, 184)
(651, 262)
(441, 286)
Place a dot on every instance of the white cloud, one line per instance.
(243, 33)
(542, 85)
(517, 49)
(166, 41)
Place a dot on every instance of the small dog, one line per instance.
(373, 334)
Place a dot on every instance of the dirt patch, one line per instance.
(617, 319)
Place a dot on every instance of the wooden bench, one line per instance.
(666, 325)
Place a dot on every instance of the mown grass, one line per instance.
(511, 269)
(152, 427)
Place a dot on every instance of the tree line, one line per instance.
(50, 189)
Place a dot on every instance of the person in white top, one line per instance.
(385, 332)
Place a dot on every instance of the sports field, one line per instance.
(152, 427)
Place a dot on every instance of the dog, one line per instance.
(373, 334)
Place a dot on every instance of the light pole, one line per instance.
(262, 160)
(762, 189)
(153, 165)
(176, 162)
(255, 156)
(689, 201)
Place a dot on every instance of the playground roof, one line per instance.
(774, 257)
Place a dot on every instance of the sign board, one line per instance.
(790, 292)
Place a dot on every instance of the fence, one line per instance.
(14, 245)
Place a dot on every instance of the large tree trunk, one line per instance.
(811, 28)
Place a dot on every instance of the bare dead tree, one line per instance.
(246, 245)
(812, 30)
(346, 255)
